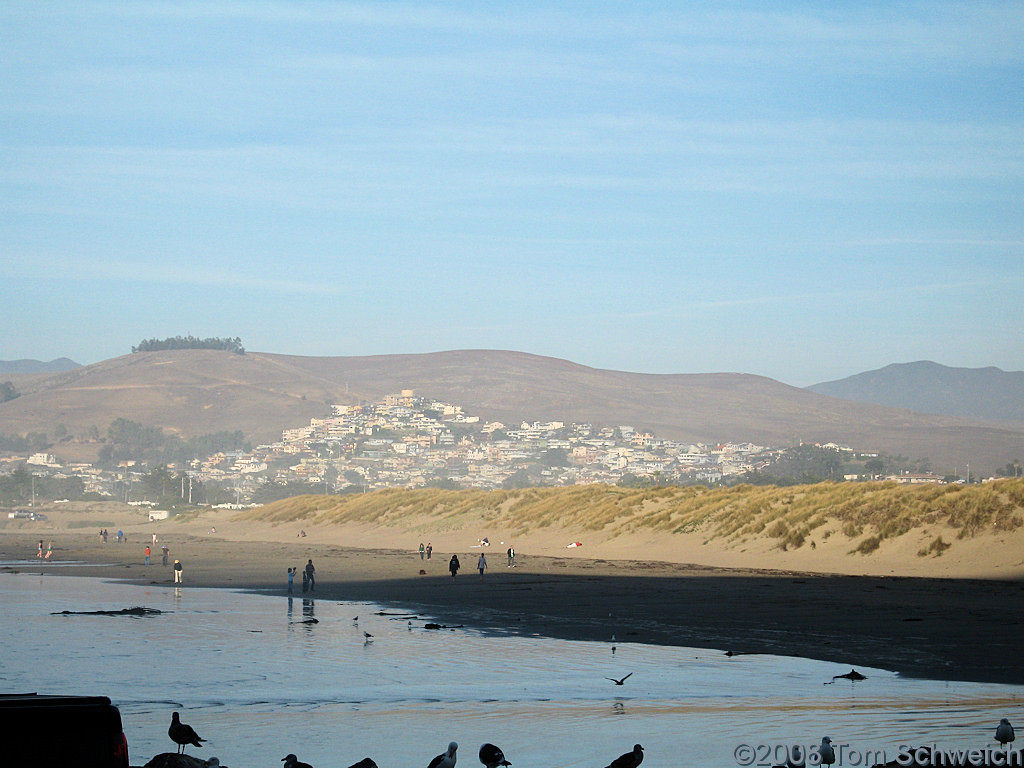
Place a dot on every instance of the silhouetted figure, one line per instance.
(492, 756)
(853, 674)
(364, 763)
(454, 565)
(1004, 732)
(630, 759)
(182, 734)
(445, 760)
(291, 761)
(311, 575)
(826, 754)
(621, 681)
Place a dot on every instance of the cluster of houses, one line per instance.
(410, 441)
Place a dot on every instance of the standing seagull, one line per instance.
(446, 760)
(826, 754)
(620, 682)
(630, 759)
(1004, 732)
(182, 734)
(492, 756)
(291, 761)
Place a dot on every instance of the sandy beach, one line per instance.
(956, 629)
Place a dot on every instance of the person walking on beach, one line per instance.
(177, 571)
(104, 534)
(291, 579)
(49, 550)
(120, 536)
(39, 554)
(164, 550)
(148, 553)
(430, 548)
(310, 575)
(454, 565)
(481, 564)
(422, 550)
(511, 557)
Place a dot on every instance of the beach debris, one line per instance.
(853, 675)
(291, 761)
(443, 626)
(630, 759)
(574, 545)
(445, 759)
(364, 763)
(182, 734)
(305, 621)
(138, 610)
(492, 756)
(170, 760)
(621, 681)
(1004, 732)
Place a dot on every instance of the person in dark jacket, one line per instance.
(454, 565)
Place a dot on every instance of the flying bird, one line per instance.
(630, 759)
(445, 760)
(620, 682)
(492, 756)
(182, 734)
(1004, 732)
(291, 761)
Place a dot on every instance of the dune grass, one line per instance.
(867, 512)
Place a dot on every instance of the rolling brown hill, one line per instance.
(200, 391)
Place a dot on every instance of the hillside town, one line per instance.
(411, 441)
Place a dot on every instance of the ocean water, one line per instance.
(258, 683)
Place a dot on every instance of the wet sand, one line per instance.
(955, 629)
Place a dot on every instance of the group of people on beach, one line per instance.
(121, 537)
(308, 577)
(49, 550)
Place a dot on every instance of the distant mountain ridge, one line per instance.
(197, 392)
(969, 393)
(38, 366)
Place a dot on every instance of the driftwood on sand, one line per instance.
(138, 610)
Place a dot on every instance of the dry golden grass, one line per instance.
(789, 515)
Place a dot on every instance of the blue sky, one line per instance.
(799, 190)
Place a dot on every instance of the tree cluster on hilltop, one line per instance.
(190, 342)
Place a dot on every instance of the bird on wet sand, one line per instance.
(1004, 732)
(620, 681)
(492, 756)
(446, 759)
(291, 761)
(630, 759)
(182, 734)
(364, 763)
(826, 754)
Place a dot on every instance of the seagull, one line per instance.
(364, 763)
(826, 754)
(182, 734)
(619, 682)
(630, 759)
(492, 756)
(291, 761)
(446, 760)
(1004, 732)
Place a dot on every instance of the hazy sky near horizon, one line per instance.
(802, 190)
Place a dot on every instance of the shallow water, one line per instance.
(258, 684)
